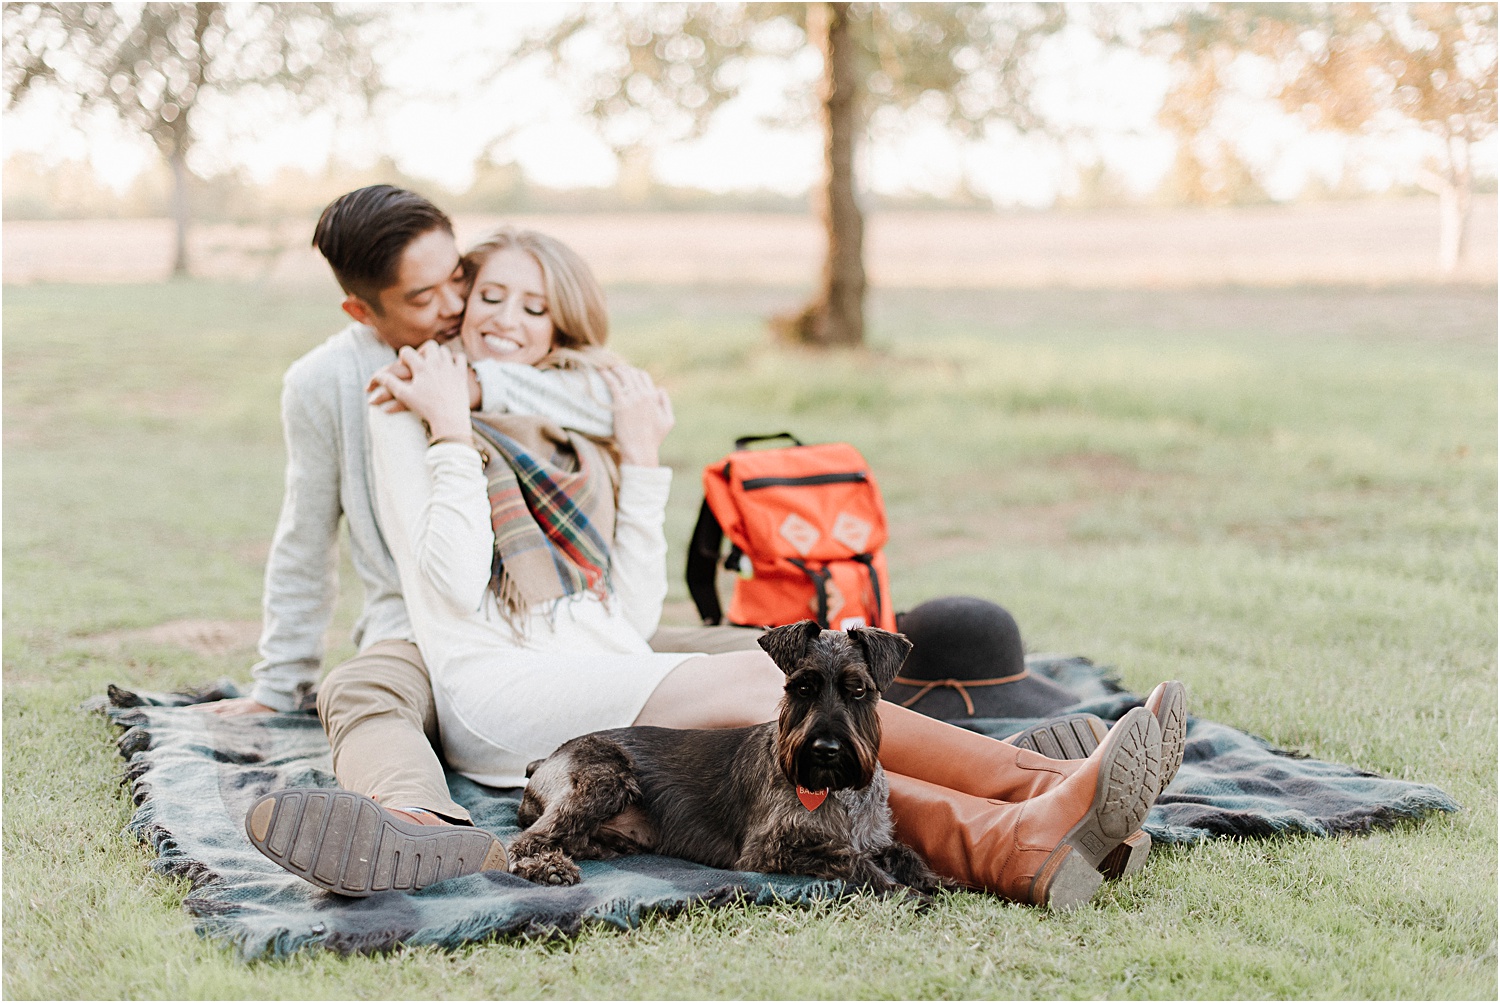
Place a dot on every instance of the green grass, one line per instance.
(1286, 499)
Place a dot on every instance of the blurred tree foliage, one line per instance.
(1350, 67)
(156, 65)
(657, 73)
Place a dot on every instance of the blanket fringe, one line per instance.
(170, 860)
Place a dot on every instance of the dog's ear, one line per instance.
(884, 652)
(786, 645)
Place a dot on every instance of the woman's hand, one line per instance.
(643, 415)
(437, 390)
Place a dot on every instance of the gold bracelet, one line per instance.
(484, 454)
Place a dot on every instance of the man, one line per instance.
(394, 255)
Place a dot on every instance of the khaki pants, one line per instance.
(382, 723)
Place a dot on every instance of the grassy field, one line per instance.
(1285, 498)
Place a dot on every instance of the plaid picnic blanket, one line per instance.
(194, 775)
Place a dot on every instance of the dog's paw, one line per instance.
(547, 867)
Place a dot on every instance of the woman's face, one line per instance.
(507, 317)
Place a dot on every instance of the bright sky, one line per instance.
(447, 106)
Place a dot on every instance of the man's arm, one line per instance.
(573, 398)
(301, 584)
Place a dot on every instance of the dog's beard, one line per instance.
(845, 771)
(853, 766)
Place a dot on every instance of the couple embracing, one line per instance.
(471, 398)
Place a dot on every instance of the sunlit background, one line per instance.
(491, 109)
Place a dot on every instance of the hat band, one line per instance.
(962, 685)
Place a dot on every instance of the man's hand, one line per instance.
(233, 707)
(381, 397)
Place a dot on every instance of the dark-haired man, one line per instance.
(395, 258)
(394, 255)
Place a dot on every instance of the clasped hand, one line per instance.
(435, 388)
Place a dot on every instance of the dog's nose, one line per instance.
(826, 750)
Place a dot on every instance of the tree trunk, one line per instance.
(178, 161)
(836, 315)
(1454, 202)
(1454, 187)
(637, 174)
(1453, 209)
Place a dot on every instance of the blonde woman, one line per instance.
(525, 655)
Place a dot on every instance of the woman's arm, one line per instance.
(642, 419)
(431, 499)
(638, 566)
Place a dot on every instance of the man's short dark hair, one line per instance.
(363, 233)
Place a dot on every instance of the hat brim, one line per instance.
(1024, 695)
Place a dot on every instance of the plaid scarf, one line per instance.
(552, 505)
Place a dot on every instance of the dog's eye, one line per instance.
(805, 687)
(857, 692)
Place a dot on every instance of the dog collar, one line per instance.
(811, 799)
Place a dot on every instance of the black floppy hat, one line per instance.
(967, 661)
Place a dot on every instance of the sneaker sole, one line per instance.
(343, 843)
(1128, 782)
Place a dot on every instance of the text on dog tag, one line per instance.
(811, 799)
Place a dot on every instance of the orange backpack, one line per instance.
(805, 527)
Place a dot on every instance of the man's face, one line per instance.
(427, 299)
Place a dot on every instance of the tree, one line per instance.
(157, 65)
(667, 68)
(1357, 68)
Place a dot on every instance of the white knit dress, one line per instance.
(505, 698)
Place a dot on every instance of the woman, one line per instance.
(513, 677)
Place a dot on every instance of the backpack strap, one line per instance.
(869, 563)
(703, 555)
(819, 578)
(745, 440)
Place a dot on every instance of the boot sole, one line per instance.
(1127, 858)
(1068, 879)
(1171, 713)
(1075, 736)
(343, 843)
(1127, 784)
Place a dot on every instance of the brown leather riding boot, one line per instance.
(918, 746)
(915, 745)
(1045, 850)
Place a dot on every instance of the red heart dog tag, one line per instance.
(811, 799)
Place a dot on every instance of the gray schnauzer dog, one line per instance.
(803, 794)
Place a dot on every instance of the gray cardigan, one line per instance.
(323, 407)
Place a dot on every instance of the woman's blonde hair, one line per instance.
(575, 301)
